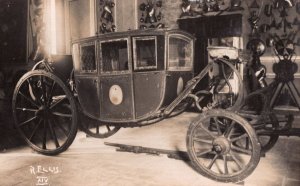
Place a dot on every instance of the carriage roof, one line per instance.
(133, 33)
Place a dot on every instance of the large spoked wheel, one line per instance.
(96, 129)
(45, 112)
(217, 147)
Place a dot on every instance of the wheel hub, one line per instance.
(221, 145)
(42, 112)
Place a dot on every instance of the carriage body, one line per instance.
(127, 77)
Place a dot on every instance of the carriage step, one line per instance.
(179, 155)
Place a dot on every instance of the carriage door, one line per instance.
(148, 75)
(116, 95)
(86, 76)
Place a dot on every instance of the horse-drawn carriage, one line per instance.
(137, 78)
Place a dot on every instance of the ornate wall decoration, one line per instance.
(209, 7)
(278, 19)
(106, 16)
(150, 13)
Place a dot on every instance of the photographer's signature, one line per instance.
(42, 173)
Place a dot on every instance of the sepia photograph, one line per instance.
(150, 92)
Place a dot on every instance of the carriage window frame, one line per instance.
(91, 43)
(128, 56)
(187, 39)
(153, 67)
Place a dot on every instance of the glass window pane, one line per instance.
(88, 60)
(180, 53)
(145, 54)
(114, 56)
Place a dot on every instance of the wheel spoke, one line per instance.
(34, 130)
(213, 161)
(207, 131)
(241, 150)
(225, 164)
(202, 140)
(53, 135)
(239, 138)
(28, 99)
(59, 126)
(27, 121)
(43, 89)
(237, 161)
(199, 154)
(27, 109)
(62, 114)
(229, 129)
(50, 93)
(45, 135)
(58, 102)
(218, 126)
(247, 143)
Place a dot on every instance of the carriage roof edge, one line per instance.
(135, 33)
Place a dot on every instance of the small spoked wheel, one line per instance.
(45, 112)
(217, 147)
(96, 129)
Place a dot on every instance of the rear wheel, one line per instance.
(45, 112)
(255, 112)
(217, 147)
(97, 129)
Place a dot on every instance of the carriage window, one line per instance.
(180, 53)
(114, 56)
(88, 62)
(144, 53)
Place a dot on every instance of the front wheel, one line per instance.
(217, 147)
(44, 112)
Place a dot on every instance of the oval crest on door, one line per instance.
(116, 94)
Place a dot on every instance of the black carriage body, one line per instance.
(129, 76)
